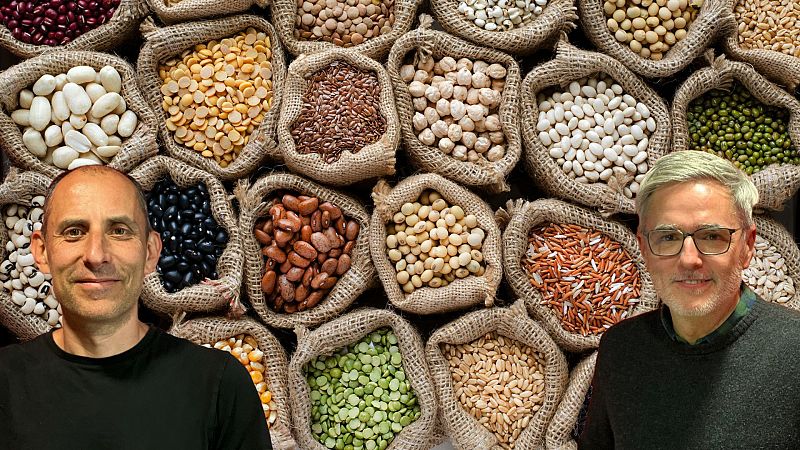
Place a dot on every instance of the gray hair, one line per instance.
(692, 165)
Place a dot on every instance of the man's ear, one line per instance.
(39, 251)
(750, 243)
(153, 252)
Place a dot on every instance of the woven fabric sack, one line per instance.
(514, 323)
(191, 10)
(560, 430)
(460, 294)
(284, 14)
(777, 66)
(19, 188)
(209, 330)
(107, 36)
(521, 217)
(776, 183)
(426, 43)
(779, 237)
(373, 160)
(168, 42)
(360, 276)
(557, 16)
(569, 64)
(136, 148)
(712, 21)
(208, 295)
(349, 329)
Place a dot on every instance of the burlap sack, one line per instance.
(349, 329)
(253, 206)
(712, 21)
(514, 323)
(212, 329)
(372, 161)
(190, 10)
(208, 295)
(521, 217)
(105, 37)
(570, 64)
(139, 146)
(164, 43)
(778, 182)
(784, 243)
(560, 431)
(777, 66)
(426, 43)
(19, 188)
(284, 14)
(461, 293)
(558, 15)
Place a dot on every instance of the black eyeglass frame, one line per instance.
(685, 235)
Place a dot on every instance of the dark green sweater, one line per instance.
(739, 392)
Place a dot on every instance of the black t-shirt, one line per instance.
(164, 393)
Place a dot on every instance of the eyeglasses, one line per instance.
(708, 241)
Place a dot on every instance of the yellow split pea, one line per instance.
(216, 94)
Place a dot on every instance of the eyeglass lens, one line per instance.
(711, 241)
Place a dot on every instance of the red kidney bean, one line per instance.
(54, 22)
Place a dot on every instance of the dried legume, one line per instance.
(499, 381)
(769, 25)
(360, 396)
(596, 132)
(340, 112)
(456, 104)
(766, 274)
(54, 22)
(245, 348)
(587, 279)
(431, 243)
(30, 288)
(344, 23)
(216, 94)
(501, 15)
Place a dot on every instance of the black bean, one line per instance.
(173, 276)
(167, 261)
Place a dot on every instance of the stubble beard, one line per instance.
(727, 287)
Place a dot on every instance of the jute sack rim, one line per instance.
(777, 235)
(557, 16)
(224, 289)
(348, 329)
(559, 437)
(524, 216)
(23, 326)
(190, 10)
(354, 282)
(437, 44)
(285, 11)
(262, 144)
(124, 20)
(427, 300)
(777, 182)
(208, 330)
(711, 22)
(381, 153)
(609, 200)
(135, 148)
(510, 323)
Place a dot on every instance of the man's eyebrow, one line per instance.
(671, 226)
(126, 220)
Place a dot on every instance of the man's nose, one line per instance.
(96, 251)
(690, 256)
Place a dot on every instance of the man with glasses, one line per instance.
(715, 367)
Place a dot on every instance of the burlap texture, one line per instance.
(571, 64)
(139, 146)
(349, 329)
(514, 323)
(427, 43)
(559, 431)
(372, 161)
(209, 330)
(253, 206)
(522, 216)
(779, 67)
(208, 295)
(558, 15)
(189, 10)
(19, 188)
(284, 13)
(712, 21)
(165, 43)
(105, 37)
(777, 235)
(778, 182)
(461, 293)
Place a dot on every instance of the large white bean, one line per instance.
(21, 117)
(77, 141)
(105, 104)
(127, 124)
(110, 79)
(34, 142)
(53, 136)
(25, 98)
(63, 156)
(77, 98)
(40, 113)
(81, 74)
(60, 109)
(95, 134)
(78, 162)
(107, 151)
(109, 124)
(95, 91)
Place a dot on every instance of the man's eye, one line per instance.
(711, 236)
(73, 232)
(668, 237)
(120, 231)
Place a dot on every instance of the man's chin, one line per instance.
(692, 307)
